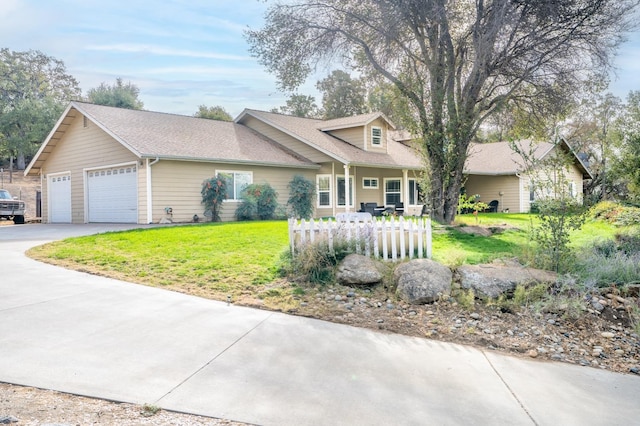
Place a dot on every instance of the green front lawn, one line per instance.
(213, 260)
(241, 259)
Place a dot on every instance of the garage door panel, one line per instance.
(113, 195)
(60, 199)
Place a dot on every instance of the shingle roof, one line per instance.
(155, 134)
(353, 121)
(498, 158)
(309, 131)
(150, 134)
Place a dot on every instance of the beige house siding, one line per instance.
(178, 184)
(354, 135)
(572, 175)
(81, 148)
(284, 139)
(490, 187)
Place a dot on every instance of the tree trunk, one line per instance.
(20, 162)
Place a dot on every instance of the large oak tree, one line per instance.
(456, 62)
(34, 89)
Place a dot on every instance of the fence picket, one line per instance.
(398, 236)
(401, 223)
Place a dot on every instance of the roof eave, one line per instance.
(35, 158)
(228, 161)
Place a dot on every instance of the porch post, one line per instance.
(347, 188)
(405, 189)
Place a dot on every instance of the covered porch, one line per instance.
(379, 191)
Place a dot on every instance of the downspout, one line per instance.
(521, 192)
(149, 191)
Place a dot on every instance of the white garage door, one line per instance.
(60, 198)
(113, 195)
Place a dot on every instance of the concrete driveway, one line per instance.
(93, 336)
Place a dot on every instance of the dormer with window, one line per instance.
(367, 132)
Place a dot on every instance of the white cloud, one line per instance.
(163, 51)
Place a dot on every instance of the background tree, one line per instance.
(386, 98)
(119, 95)
(300, 106)
(34, 89)
(591, 131)
(455, 62)
(625, 170)
(213, 113)
(342, 96)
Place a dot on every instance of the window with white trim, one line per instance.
(340, 187)
(370, 183)
(392, 191)
(236, 182)
(323, 183)
(532, 192)
(414, 192)
(376, 136)
(572, 189)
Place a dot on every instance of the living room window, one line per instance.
(392, 191)
(323, 182)
(376, 136)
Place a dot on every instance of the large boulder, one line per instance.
(358, 270)
(492, 280)
(422, 281)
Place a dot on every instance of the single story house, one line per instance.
(496, 173)
(105, 164)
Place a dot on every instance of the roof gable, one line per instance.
(313, 133)
(150, 134)
(498, 158)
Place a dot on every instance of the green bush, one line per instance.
(259, 201)
(628, 241)
(301, 194)
(604, 210)
(214, 192)
(316, 261)
(608, 262)
(628, 216)
(615, 213)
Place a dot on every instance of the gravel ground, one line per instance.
(21, 406)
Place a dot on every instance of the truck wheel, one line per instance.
(18, 220)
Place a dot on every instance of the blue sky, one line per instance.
(180, 53)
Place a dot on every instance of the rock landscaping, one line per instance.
(472, 306)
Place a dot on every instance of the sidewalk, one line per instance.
(98, 337)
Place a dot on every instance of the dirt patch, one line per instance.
(485, 231)
(21, 405)
(572, 334)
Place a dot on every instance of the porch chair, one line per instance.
(399, 210)
(372, 208)
(493, 206)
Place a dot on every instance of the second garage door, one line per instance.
(113, 195)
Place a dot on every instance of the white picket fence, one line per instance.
(387, 238)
